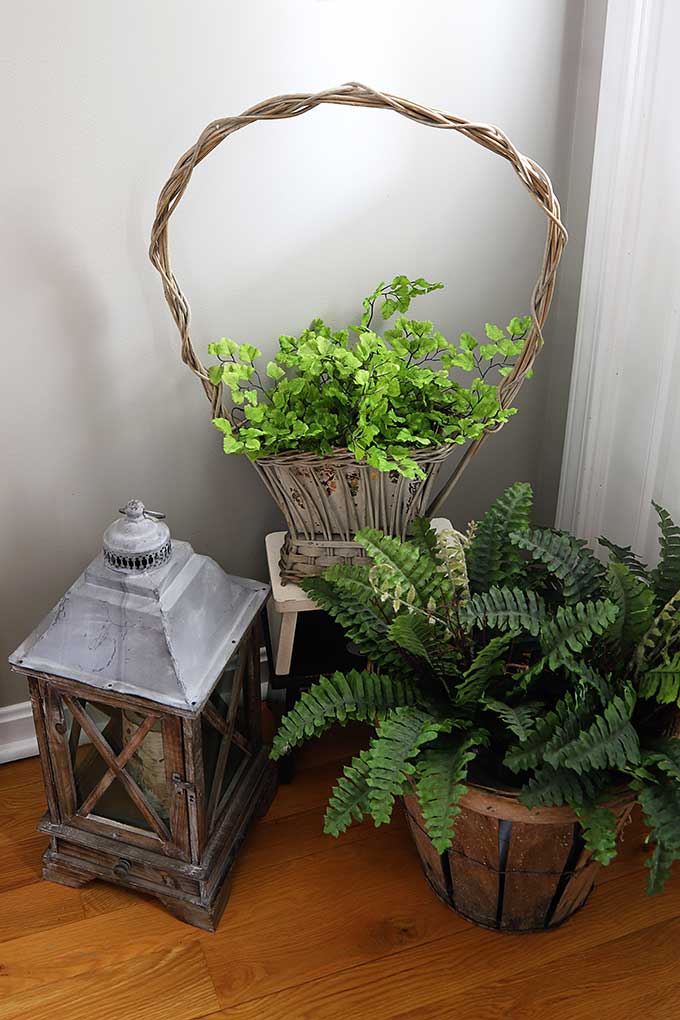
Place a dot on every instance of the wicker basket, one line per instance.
(326, 500)
(511, 868)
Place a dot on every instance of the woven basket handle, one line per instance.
(532, 176)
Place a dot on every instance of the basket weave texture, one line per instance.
(326, 500)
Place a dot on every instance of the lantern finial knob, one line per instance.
(137, 542)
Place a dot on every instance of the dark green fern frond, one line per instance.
(551, 787)
(440, 784)
(344, 593)
(338, 698)
(664, 756)
(573, 627)
(660, 804)
(589, 678)
(599, 831)
(568, 558)
(624, 554)
(398, 741)
(491, 557)
(487, 665)
(635, 602)
(560, 725)
(666, 575)
(609, 742)
(415, 635)
(663, 637)
(662, 683)
(349, 798)
(520, 719)
(504, 609)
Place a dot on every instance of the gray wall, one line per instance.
(283, 222)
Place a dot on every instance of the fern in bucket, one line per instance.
(513, 653)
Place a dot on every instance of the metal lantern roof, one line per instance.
(149, 617)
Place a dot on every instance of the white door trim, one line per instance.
(632, 36)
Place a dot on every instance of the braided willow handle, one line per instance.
(532, 176)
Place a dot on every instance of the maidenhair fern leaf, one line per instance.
(491, 557)
(599, 831)
(609, 742)
(666, 575)
(504, 609)
(568, 558)
(440, 776)
(355, 695)
(635, 603)
(398, 740)
(349, 798)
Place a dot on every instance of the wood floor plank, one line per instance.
(350, 904)
(94, 944)
(37, 907)
(21, 860)
(272, 843)
(318, 929)
(172, 982)
(465, 975)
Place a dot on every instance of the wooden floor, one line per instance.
(318, 928)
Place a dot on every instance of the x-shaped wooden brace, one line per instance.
(229, 735)
(116, 767)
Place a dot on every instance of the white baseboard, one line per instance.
(17, 734)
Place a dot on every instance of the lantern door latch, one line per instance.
(181, 785)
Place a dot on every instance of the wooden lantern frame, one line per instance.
(186, 859)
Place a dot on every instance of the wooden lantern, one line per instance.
(145, 687)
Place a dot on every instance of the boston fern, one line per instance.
(379, 396)
(514, 654)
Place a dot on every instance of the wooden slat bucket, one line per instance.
(510, 868)
(320, 529)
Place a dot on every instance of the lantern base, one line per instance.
(194, 893)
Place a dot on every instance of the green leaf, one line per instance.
(399, 739)
(440, 776)
(504, 609)
(568, 558)
(487, 665)
(635, 603)
(349, 799)
(599, 831)
(274, 371)
(609, 742)
(492, 558)
(339, 698)
(413, 634)
(494, 333)
(249, 353)
(666, 575)
(519, 719)
(662, 682)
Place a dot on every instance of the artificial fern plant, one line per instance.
(512, 651)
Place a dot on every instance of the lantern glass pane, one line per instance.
(146, 768)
